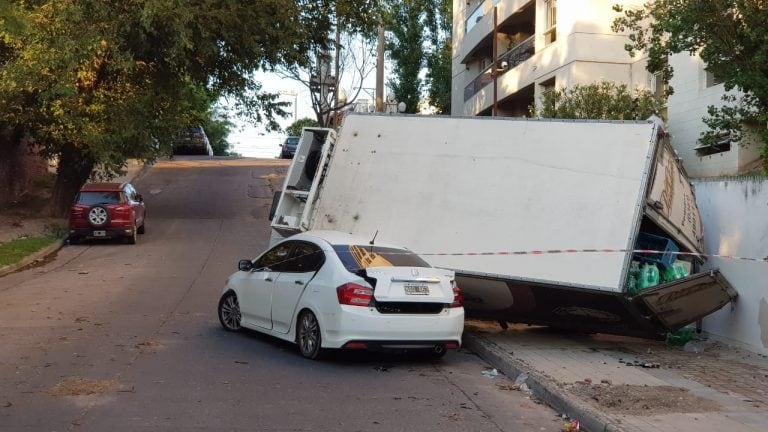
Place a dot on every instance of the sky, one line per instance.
(252, 141)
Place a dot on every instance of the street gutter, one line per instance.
(542, 388)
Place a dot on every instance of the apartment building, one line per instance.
(546, 44)
(541, 45)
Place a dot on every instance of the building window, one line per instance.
(550, 32)
(474, 17)
(722, 143)
(711, 80)
(547, 91)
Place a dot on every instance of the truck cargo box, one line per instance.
(539, 218)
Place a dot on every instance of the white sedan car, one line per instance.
(325, 289)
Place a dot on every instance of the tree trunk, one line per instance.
(73, 171)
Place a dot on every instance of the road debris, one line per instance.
(571, 426)
(490, 373)
(76, 386)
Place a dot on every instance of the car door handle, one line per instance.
(298, 282)
(269, 279)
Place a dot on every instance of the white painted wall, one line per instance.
(735, 217)
(686, 108)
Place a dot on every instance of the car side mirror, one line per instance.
(244, 265)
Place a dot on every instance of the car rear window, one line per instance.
(357, 257)
(292, 141)
(93, 198)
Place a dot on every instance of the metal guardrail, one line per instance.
(514, 57)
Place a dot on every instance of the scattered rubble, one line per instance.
(642, 399)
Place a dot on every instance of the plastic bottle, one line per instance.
(653, 275)
(680, 269)
(649, 277)
(671, 273)
(633, 278)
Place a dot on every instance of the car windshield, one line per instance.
(93, 198)
(357, 257)
(292, 141)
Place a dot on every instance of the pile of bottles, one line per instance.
(649, 275)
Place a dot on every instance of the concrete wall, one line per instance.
(735, 216)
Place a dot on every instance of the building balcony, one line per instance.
(506, 62)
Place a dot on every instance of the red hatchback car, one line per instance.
(107, 210)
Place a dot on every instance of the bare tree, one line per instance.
(346, 64)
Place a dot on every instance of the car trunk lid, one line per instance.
(412, 284)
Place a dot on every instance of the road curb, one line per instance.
(541, 386)
(29, 259)
(58, 244)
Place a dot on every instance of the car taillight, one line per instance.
(122, 210)
(354, 294)
(458, 297)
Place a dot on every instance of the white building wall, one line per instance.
(687, 106)
(735, 218)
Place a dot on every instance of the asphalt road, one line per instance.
(116, 337)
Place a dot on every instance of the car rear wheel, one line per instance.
(141, 229)
(132, 238)
(229, 312)
(308, 335)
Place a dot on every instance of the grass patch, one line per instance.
(16, 250)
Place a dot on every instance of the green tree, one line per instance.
(730, 36)
(438, 56)
(603, 100)
(405, 23)
(295, 128)
(95, 83)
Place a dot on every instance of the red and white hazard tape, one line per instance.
(569, 251)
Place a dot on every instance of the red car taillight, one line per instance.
(77, 211)
(458, 298)
(354, 295)
(124, 211)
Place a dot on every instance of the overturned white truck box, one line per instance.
(539, 219)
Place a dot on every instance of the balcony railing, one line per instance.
(520, 53)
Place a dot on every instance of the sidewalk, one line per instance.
(663, 388)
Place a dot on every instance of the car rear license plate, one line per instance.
(99, 233)
(411, 289)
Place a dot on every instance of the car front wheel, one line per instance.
(229, 312)
(308, 335)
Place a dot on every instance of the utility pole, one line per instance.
(380, 70)
(494, 66)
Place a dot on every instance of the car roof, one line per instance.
(340, 238)
(102, 187)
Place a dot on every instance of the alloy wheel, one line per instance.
(229, 312)
(98, 216)
(309, 335)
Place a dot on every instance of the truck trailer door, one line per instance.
(687, 300)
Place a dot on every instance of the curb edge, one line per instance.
(542, 387)
(29, 259)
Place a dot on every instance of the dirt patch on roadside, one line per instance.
(642, 400)
(75, 386)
